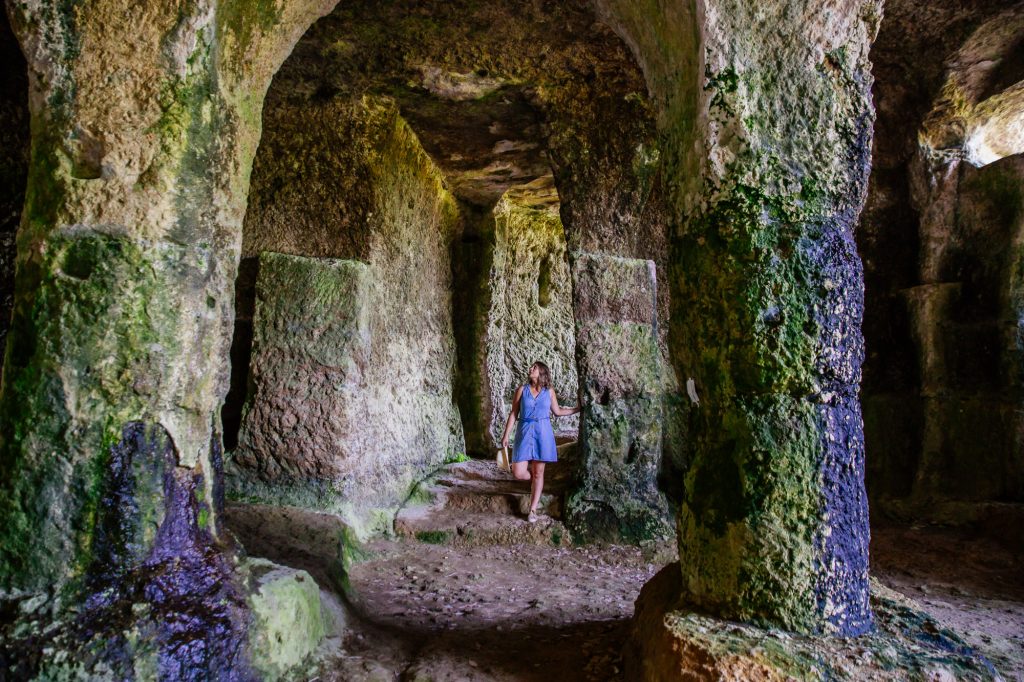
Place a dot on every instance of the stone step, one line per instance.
(459, 528)
(491, 502)
(476, 503)
(484, 478)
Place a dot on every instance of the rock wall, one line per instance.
(531, 313)
(351, 399)
(939, 324)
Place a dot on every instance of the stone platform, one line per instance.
(670, 642)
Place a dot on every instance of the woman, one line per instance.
(535, 440)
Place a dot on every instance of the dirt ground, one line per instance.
(536, 612)
(501, 613)
(969, 584)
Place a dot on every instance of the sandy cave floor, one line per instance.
(969, 584)
(536, 612)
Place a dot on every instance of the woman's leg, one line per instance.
(538, 484)
(521, 471)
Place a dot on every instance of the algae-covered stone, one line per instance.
(287, 619)
(531, 316)
(767, 299)
(671, 642)
(620, 362)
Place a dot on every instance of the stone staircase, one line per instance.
(474, 503)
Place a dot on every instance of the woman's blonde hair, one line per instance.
(544, 379)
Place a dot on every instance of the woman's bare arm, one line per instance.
(512, 416)
(560, 411)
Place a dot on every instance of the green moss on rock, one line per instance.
(287, 619)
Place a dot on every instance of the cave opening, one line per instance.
(417, 153)
(406, 251)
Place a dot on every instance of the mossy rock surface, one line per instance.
(669, 642)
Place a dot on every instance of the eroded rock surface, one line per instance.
(352, 360)
(618, 496)
(671, 642)
(531, 315)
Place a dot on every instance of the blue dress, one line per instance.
(535, 439)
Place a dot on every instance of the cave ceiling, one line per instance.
(485, 85)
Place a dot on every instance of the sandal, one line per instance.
(532, 518)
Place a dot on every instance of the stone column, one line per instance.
(617, 497)
(144, 121)
(767, 307)
(125, 266)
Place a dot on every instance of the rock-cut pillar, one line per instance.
(767, 306)
(617, 495)
(145, 119)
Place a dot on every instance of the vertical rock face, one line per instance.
(774, 526)
(618, 496)
(938, 392)
(531, 314)
(767, 301)
(351, 398)
(126, 262)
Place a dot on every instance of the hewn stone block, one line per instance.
(621, 436)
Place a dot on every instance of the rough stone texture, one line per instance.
(501, 94)
(127, 255)
(310, 347)
(348, 415)
(487, 86)
(158, 593)
(617, 497)
(939, 322)
(288, 622)
(145, 119)
(161, 598)
(672, 643)
(531, 314)
(766, 289)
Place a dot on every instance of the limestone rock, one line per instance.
(310, 350)
(531, 314)
(671, 642)
(288, 623)
(617, 345)
(934, 376)
(352, 360)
